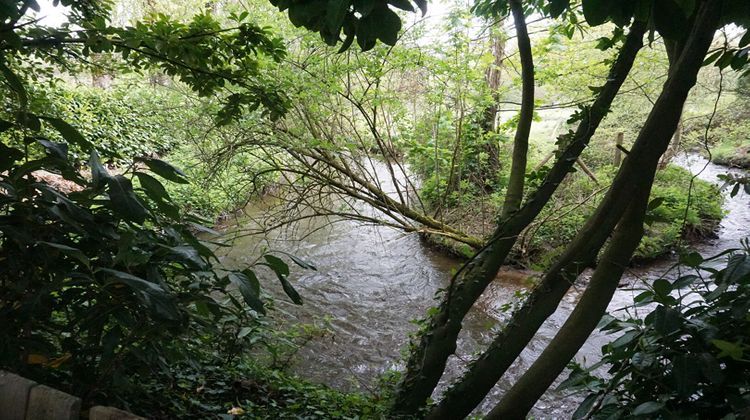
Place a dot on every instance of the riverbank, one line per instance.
(683, 216)
(735, 155)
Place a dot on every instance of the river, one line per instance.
(372, 281)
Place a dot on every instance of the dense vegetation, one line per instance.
(553, 153)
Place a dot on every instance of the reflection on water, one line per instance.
(372, 281)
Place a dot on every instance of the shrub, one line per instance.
(688, 358)
(108, 281)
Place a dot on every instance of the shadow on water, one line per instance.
(373, 281)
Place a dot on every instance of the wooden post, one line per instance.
(618, 147)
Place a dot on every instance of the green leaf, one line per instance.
(667, 320)
(402, 4)
(277, 264)
(625, 339)
(641, 360)
(336, 11)
(597, 12)
(738, 269)
(289, 290)
(662, 287)
(69, 251)
(68, 132)
(684, 281)
(557, 7)
(364, 7)
(248, 287)
(649, 407)
(165, 170)
(422, 4)
(58, 150)
(253, 280)
(367, 33)
(189, 256)
(124, 201)
(387, 24)
(15, 84)
(713, 57)
(692, 259)
(154, 189)
(302, 263)
(282, 270)
(745, 40)
(99, 174)
(8, 157)
(5, 126)
(199, 227)
(151, 294)
(584, 408)
(655, 203)
(732, 350)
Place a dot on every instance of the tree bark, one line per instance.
(437, 342)
(517, 402)
(489, 116)
(634, 175)
(514, 193)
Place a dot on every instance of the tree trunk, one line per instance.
(517, 402)
(514, 193)
(635, 174)
(489, 116)
(438, 341)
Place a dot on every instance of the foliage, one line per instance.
(217, 192)
(105, 118)
(667, 222)
(366, 20)
(108, 279)
(105, 279)
(687, 358)
(201, 53)
(213, 388)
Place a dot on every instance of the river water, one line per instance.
(372, 281)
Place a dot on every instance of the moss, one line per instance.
(732, 154)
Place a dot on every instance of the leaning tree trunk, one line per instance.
(514, 193)
(636, 174)
(593, 304)
(517, 402)
(437, 342)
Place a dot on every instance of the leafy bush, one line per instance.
(106, 281)
(217, 189)
(212, 389)
(667, 222)
(122, 123)
(688, 358)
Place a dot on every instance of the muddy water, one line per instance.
(373, 281)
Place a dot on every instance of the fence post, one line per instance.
(618, 149)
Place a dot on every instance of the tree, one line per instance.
(691, 26)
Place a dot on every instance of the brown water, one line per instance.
(372, 281)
